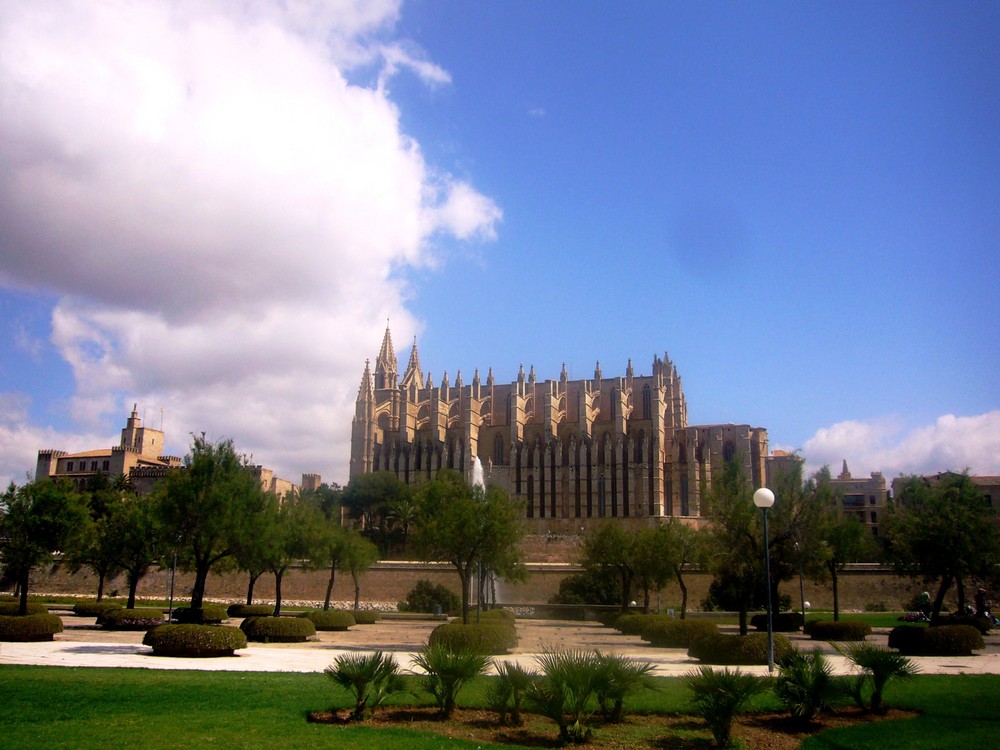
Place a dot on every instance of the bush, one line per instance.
(481, 638)
(366, 616)
(329, 619)
(782, 622)
(671, 633)
(875, 607)
(618, 677)
(943, 640)
(95, 609)
(719, 696)
(982, 624)
(132, 619)
(737, 649)
(565, 691)
(250, 610)
(370, 678)
(632, 623)
(505, 692)
(608, 619)
(428, 597)
(278, 629)
(447, 670)
(194, 640)
(37, 627)
(11, 609)
(838, 630)
(210, 614)
(805, 684)
(497, 615)
(877, 666)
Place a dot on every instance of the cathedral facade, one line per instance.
(570, 450)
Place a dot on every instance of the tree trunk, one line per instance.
(743, 618)
(836, 595)
(463, 575)
(329, 586)
(253, 581)
(23, 583)
(960, 589)
(684, 593)
(357, 590)
(278, 575)
(133, 584)
(645, 600)
(198, 592)
(100, 586)
(946, 582)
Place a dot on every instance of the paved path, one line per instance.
(83, 644)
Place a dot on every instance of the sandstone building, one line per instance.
(616, 447)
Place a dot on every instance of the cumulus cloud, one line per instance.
(224, 207)
(887, 445)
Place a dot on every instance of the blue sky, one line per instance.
(214, 212)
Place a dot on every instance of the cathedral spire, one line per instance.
(413, 372)
(365, 389)
(386, 366)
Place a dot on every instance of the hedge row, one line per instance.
(633, 623)
(209, 614)
(944, 640)
(95, 609)
(250, 610)
(195, 640)
(38, 627)
(330, 619)
(982, 624)
(497, 615)
(12, 608)
(132, 619)
(482, 637)
(737, 649)
(782, 622)
(366, 616)
(278, 629)
(672, 633)
(838, 630)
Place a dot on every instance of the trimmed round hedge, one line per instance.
(944, 640)
(132, 619)
(782, 622)
(194, 640)
(366, 616)
(209, 614)
(278, 629)
(95, 609)
(250, 610)
(28, 628)
(982, 624)
(634, 623)
(737, 649)
(482, 638)
(672, 633)
(496, 615)
(330, 619)
(838, 630)
(11, 609)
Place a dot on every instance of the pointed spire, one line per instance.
(564, 376)
(489, 378)
(629, 372)
(531, 375)
(413, 373)
(475, 377)
(386, 366)
(597, 371)
(430, 381)
(844, 472)
(458, 379)
(520, 374)
(444, 380)
(365, 389)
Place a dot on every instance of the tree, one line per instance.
(847, 540)
(139, 541)
(97, 544)
(367, 498)
(207, 507)
(357, 555)
(298, 536)
(41, 517)
(254, 550)
(401, 515)
(610, 548)
(944, 533)
(466, 526)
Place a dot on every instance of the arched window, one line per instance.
(498, 449)
(728, 451)
(647, 402)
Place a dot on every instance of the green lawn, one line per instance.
(58, 707)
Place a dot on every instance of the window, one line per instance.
(854, 501)
(106, 466)
(93, 465)
(871, 499)
(498, 450)
(647, 403)
(69, 466)
(874, 517)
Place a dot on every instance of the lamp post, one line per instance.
(802, 590)
(764, 499)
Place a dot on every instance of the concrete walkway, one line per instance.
(83, 644)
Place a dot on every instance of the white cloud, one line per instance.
(886, 445)
(224, 213)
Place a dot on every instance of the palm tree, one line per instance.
(370, 678)
(448, 669)
(719, 695)
(878, 665)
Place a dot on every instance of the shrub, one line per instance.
(875, 607)
(805, 684)
(95, 609)
(483, 637)
(719, 696)
(370, 678)
(132, 619)
(278, 629)
(497, 615)
(943, 640)
(250, 610)
(210, 614)
(427, 597)
(366, 616)
(447, 670)
(982, 624)
(194, 640)
(781, 622)
(11, 609)
(618, 677)
(565, 691)
(877, 666)
(671, 633)
(737, 649)
(505, 692)
(608, 619)
(329, 619)
(37, 627)
(632, 623)
(838, 630)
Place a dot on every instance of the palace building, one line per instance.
(571, 450)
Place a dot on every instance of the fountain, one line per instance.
(477, 474)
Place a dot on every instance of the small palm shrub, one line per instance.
(737, 649)
(718, 695)
(38, 627)
(142, 618)
(249, 610)
(505, 692)
(366, 616)
(876, 667)
(565, 692)
(209, 614)
(447, 670)
(95, 609)
(673, 633)
(12, 608)
(278, 629)
(330, 619)
(781, 622)
(192, 640)
(483, 638)
(370, 678)
(838, 630)
(943, 640)
(427, 597)
(805, 684)
(619, 677)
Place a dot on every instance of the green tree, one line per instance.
(253, 550)
(661, 553)
(401, 515)
(611, 549)
(40, 518)
(945, 534)
(96, 545)
(465, 526)
(367, 498)
(298, 537)
(357, 555)
(139, 541)
(847, 540)
(207, 507)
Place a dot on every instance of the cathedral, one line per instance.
(570, 450)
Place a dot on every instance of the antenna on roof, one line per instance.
(161, 419)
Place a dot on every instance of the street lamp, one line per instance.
(764, 499)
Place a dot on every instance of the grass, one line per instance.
(61, 707)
